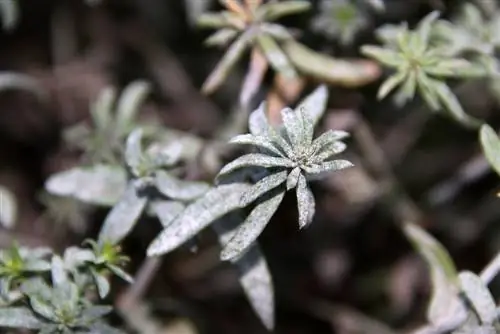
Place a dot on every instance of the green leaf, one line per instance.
(216, 203)
(18, 317)
(224, 19)
(259, 141)
(314, 104)
(257, 122)
(128, 105)
(8, 208)
(385, 56)
(256, 159)
(424, 30)
(59, 275)
(9, 10)
(181, 190)
(490, 143)
(276, 31)
(122, 218)
(102, 107)
(442, 269)
(263, 186)
(99, 184)
(328, 166)
(275, 10)
(252, 227)
(101, 283)
(43, 308)
(427, 90)
(120, 273)
(133, 151)
(479, 296)
(276, 57)
(167, 211)
(305, 202)
(392, 82)
(226, 64)
(96, 312)
(222, 37)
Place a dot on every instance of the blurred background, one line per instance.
(352, 270)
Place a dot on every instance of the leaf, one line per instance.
(101, 283)
(59, 275)
(133, 150)
(479, 296)
(226, 64)
(174, 188)
(490, 144)
(257, 122)
(214, 204)
(314, 104)
(8, 208)
(442, 269)
(252, 227)
(256, 159)
(392, 82)
(259, 141)
(328, 166)
(43, 308)
(254, 274)
(276, 57)
(18, 317)
(99, 184)
(385, 56)
(101, 108)
(18, 81)
(128, 105)
(426, 89)
(424, 29)
(120, 273)
(167, 211)
(216, 20)
(122, 218)
(293, 178)
(10, 14)
(264, 185)
(222, 37)
(305, 202)
(275, 10)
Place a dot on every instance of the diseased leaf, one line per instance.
(294, 127)
(305, 202)
(252, 227)
(8, 208)
(177, 189)
(120, 273)
(390, 84)
(15, 317)
(276, 57)
(256, 159)
(128, 105)
(214, 204)
(226, 64)
(123, 216)
(490, 144)
(99, 184)
(479, 296)
(263, 186)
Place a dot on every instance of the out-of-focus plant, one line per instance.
(460, 302)
(103, 143)
(9, 9)
(65, 211)
(8, 208)
(249, 26)
(340, 20)
(423, 65)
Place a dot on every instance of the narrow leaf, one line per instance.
(256, 159)
(221, 37)
(122, 218)
(101, 283)
(59, 275)
(315, 103)
(120, 273)
(328, 166)
(479, 296)
(133, 150)
(101, 108)
(128, 105)
(385, 56)
(18, 317)
(214, 204)
(392, 82)
(490, 144)
(276, 57)
(252, 227)
(177, 189)
(259, 141)
(263, 186)
(275, 10)
(305, 202)
(8, 208)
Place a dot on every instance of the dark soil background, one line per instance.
(352, 270)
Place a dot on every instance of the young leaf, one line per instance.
(16, 317)
(490, 144)
(214, 204)
(122, 218)
(259, 141)
(252, 227)
(128, 105)
(221, 37)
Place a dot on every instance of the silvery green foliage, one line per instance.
(340, 19)
(422, 64)
(461, 302)
(8, 208)
(9, 10)
(112, 121)
(490, 144)
(153, 181)
(288, 157)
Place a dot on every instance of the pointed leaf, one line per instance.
(222, 37)
(314, 104)
(305, 202)
(276, 57)
(133, 150)
(8, 208)
(120, 273)
(256, 159)
(294, 126)
(479, 296)
(181, 190)
(293, 178)
(328, 166)
(101, 283)
(129, 104)
(490, 144)
(167, 211)
(99, 184)
(18, 317)
(101, 108)
(59, 275)
(252, 227)
(275, 10)
(385, 56)
(263, 186)
(122, 218)
(392, 82)
(259, 141)
(257, 122)
(214, 204)
(424, 29)
(226, 64)
(427, 90)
